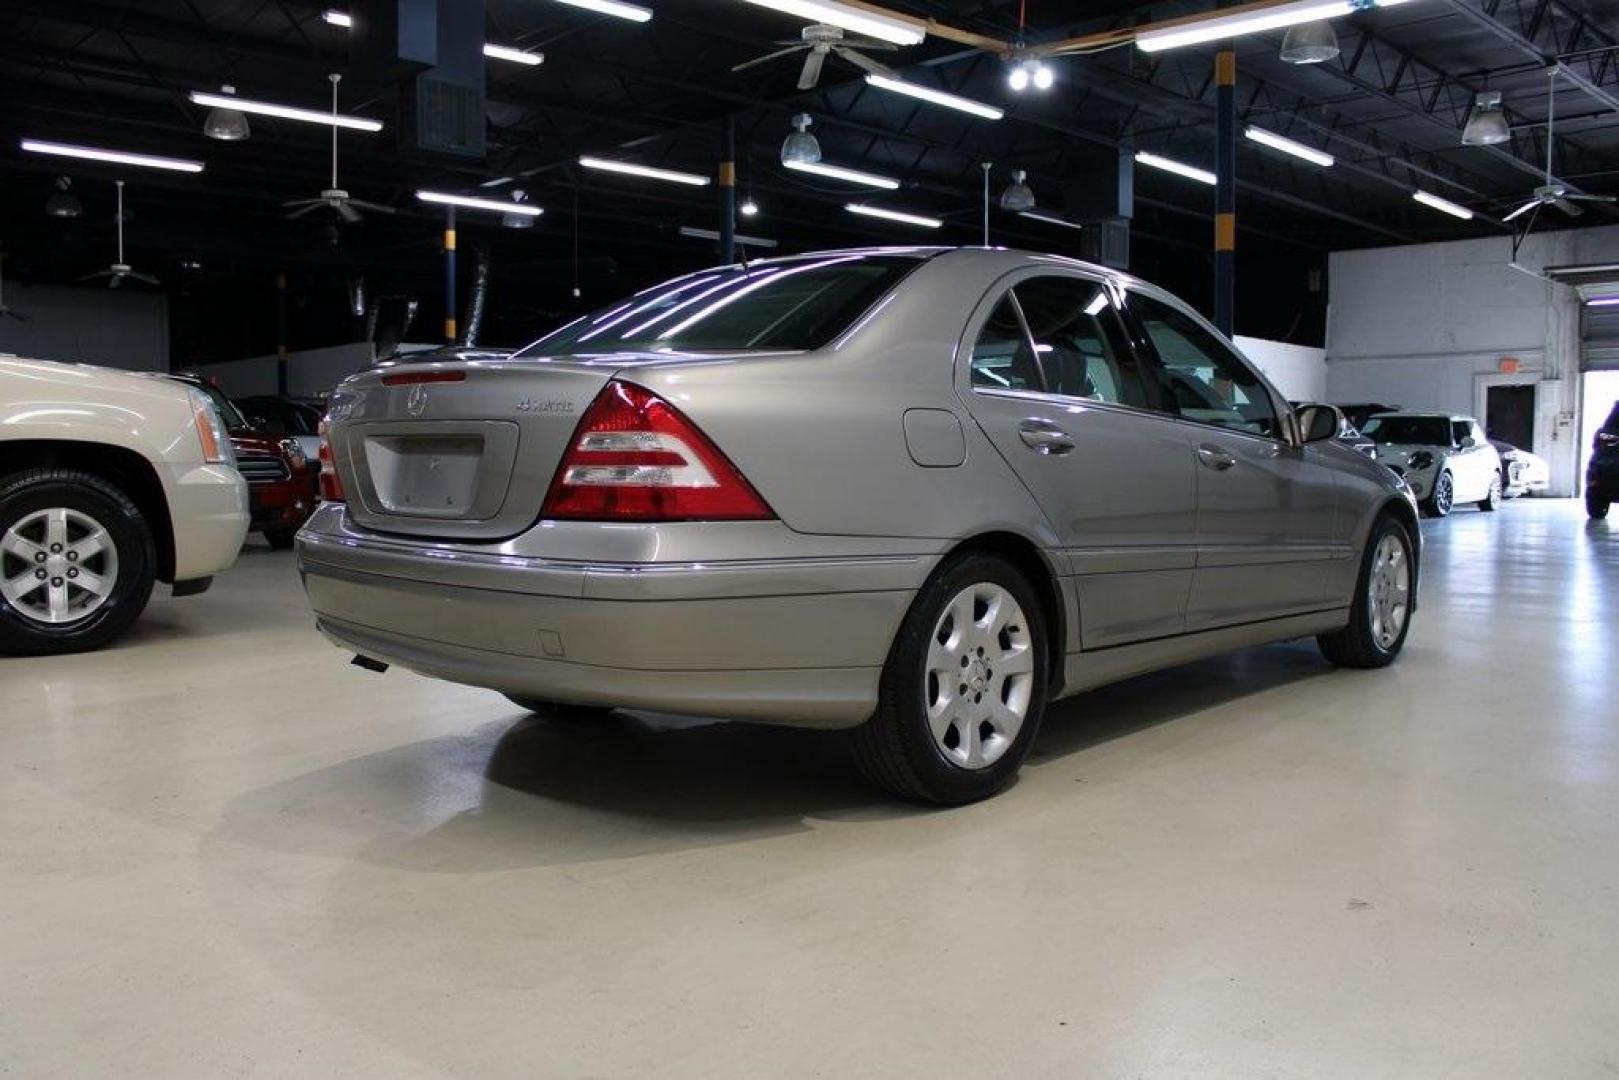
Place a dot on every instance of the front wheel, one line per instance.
(1380, 616)
(1492, 501)
(963, 690)
(1596, 506)
(77, 562)
(1443, 497)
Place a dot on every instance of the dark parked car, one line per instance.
(1602, 477)
(1359, 412)
(281, 481)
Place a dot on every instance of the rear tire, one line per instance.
(1596, 506)
(77, 562)
(280, 539)
(961, 737)
(1492, 501)
(1370, 641)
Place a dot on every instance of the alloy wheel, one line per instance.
(58, 566)
(979, 676)
(1389, 591)
(1444, 493)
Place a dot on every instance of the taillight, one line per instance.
(633, 457)
(331, 488)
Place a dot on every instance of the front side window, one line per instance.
(1001, 356)
(788, 305)
(1202, 379)
(1078, 341)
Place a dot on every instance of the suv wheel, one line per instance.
(1596, 506)
(77, 562)
(964, 687)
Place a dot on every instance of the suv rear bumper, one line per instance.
(790, 640)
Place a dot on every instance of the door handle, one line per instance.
(1044, 437)
(1215, 458)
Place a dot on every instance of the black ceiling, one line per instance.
(1390, 108)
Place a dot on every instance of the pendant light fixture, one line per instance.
(1310, 43)
(226, 124)
(1487, 122)
(800, 147)
(1018, 196)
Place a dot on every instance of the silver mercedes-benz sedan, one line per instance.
(915, 492)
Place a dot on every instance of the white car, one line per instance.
(109, 482)
(1444, 458)
(1522, 473)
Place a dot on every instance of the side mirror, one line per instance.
(1318, 423)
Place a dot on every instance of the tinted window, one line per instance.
(1002, 358)
(793, 304)
(1203, 380)
(1459, 430)
(1408, 430)
(1078, 340)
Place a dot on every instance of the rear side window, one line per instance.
(1002, 358)
(794, 304)
(1203, 380)
(1078, 340)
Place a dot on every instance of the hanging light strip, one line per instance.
(1179, 168)
(861, 20)
(630, 168)
(1203, 30)
(1444, 206)
(838, 172)
(936, 97)
(1288, 146)
(495, 205)
(893, 215)
(116, 157)
(285, 112)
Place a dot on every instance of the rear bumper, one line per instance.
(208, 509)
(796, 641)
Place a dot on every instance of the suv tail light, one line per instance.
(633, 457)
(331, 488)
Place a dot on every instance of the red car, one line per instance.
(282, 484)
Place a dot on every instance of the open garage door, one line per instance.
(1600, 344)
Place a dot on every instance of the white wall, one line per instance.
(309, 371)
(1428, 326)
(123, 328)
(1298, 371)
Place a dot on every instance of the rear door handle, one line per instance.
(1215, 458)
(1044, 437)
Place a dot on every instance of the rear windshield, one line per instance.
(790, 305)
(1408, 430)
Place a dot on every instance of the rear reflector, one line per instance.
(634, 457)
(331, 488)
(411, 378)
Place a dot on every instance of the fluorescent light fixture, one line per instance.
(1179, 168)
(1034, 215)
(494, 52)
(615, 8)
(937, 97)
(709, 234)
(116, 157)
(285, 112)
(1201, 31)
(889, 28)
(838, 172)
(630, 168)
(499, 206)
(893, 215)
(1603, 301)
(1288, 146)
(1444, 206)
(514, 56)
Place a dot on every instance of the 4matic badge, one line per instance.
(535, 405)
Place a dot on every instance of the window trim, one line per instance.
(1288, 436)
(1006, 286)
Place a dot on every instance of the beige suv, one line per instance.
(109, 482)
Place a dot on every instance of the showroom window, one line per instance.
(1002, 358)
(1079, 342)
(789, 305)
(1202, 379)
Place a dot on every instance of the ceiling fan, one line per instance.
(334, 196)
(817, 41)
(1554, 192)
(118, 271)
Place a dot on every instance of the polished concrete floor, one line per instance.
(224, 851)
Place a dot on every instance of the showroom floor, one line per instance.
(224, 850)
